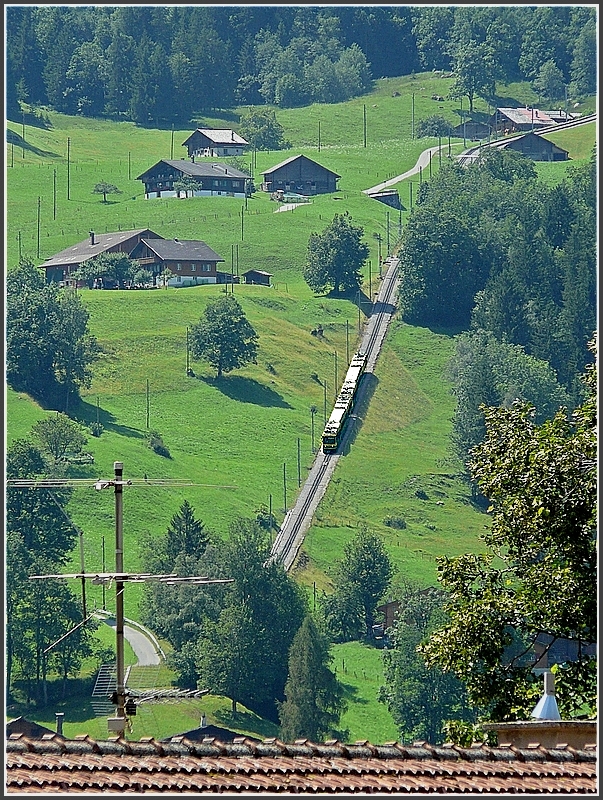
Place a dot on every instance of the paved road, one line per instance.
(422, 162)
(143, 646)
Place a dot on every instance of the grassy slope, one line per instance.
(242, 431)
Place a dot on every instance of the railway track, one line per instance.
(298, 519)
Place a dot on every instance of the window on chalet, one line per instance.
(206, 268)
(236, 184)
(178, 267)
(193, 268)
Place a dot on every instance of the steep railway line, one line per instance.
(298, 519)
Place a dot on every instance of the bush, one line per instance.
(395, 522)
(96, 428)
(433, 126)
(156, 444)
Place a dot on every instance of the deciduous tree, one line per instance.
(59, 436)
(223, 336)
(539, 572)
(105, 188)
(336, 256)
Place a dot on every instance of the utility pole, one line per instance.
(298, 462)
(38, 251)
(364, 122)
(148, 404)
(172, 144)
(347, 342)
(129, 167)
(412, 127)
(242, 218)
(285, 485)
(68, 165)
(188, 368)
(313, 411)
(336, 384)
(319, 136)
(325, 402)
(120, 711)
(54, 194)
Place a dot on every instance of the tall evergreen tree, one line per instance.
(185, 534)
(314, 697)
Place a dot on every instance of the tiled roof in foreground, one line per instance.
(181, 766)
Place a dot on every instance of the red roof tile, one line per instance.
(182, 766)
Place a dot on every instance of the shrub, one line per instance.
(156, 444)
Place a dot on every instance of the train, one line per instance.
(344, 404)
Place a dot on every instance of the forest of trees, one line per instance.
(511, 262)
(165, 63)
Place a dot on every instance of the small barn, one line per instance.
(215, 143)
(536, 147)
(191, 262)
(474, 131)
(210, 179)
(257, 276)
(300, 174)
(59, 266)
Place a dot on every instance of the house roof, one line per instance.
(203, 169)
(83, 766)
(219, 136)
(512, 143)
(296, 158)
(82, 251)
(525, 116)
(257, 272)
(174, 249)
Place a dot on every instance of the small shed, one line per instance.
(474, 131)
(300, 174)
(536, 147)
(257, 276)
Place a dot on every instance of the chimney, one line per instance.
(546, 708)
(59, 717)
(91, 237)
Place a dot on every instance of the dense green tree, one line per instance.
(49, 349)
(336, 256)
(539, 41)
(111, 267)
(550, 83)
(185, 534)
(105, 188)
(262, 130)
(473, 72)
(361, 579)
(313, 696)
(421, 699)
(442, 267)
(432, 25)
(223, 336)
(538, 574)
(261, 614)
(583, 74)
(59, 437)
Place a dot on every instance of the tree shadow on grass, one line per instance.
(18, 141)
(247, 390)
(89, 413)
(243, 720)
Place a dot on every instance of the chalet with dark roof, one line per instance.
(191, 262)
(536, 147)
(59, 267)
(257, 277)
(214, 143)
(300, 174)
(211, 179)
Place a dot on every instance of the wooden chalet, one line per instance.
(212, 179)
(535, 147)
(300, 174)
(214, 143)
(191, 262)
(59, 267)
(513, 120)
(472, 130)
(257, 276)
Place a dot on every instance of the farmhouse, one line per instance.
(192, 262)
(300, 174)
(59, 266)
(536, 147)
(207, 142)
(511, 120)
(257, 276)
(210, 179)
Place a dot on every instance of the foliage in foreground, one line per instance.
(537, 582)
(420, 698)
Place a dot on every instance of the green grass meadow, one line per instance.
(246, 440)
